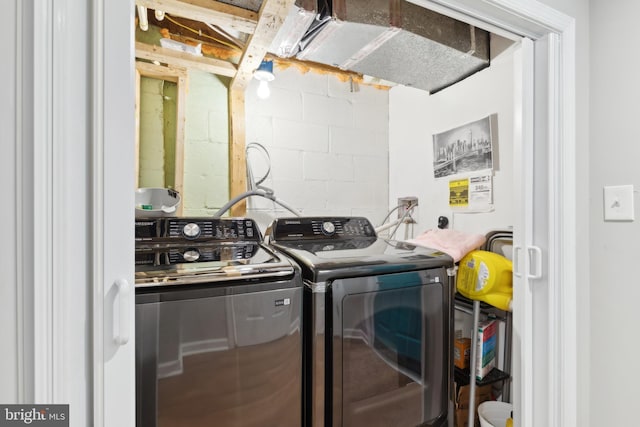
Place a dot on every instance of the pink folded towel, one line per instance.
(454, 243)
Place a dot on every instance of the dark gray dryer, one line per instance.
(378, 321)
(218, 326)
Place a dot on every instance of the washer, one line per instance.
(218, 326)
(378, 318)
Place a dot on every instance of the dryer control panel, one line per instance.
(320, 228)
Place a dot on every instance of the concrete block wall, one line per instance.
(328, 144)
(151, 171)
(206, 151)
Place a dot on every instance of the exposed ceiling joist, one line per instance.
(186, 60)
(271, 17)
(208, 11)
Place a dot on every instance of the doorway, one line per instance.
(545, 36)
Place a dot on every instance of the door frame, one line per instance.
(111, 54)
(552, 37)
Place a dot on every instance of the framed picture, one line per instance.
(464, 149)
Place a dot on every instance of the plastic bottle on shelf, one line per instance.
(510, 421)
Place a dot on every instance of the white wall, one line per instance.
(614, 247)
(8, 260)
(415, 116)
(328, 145)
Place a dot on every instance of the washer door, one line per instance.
(219, 360)
(391, 344)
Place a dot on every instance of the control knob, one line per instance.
(328, 228)
(191, 230)
(191, 255)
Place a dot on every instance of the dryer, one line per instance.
(378, 319)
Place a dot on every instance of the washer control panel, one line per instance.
(166, 230)
(153, 257)
(320, 228)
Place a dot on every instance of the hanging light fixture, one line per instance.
(264, 74)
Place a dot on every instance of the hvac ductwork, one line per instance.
(393, 40)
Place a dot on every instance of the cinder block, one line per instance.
(372, 116)
(206, 91)
(317, 166)
(342, 89)
(329, 167)
(286, 164)
(346, 194)
(259, 129)
(218, 124)
(282, 103)
(371, 169)
(196, 125)
(152, 178)
(304, 136)
(358, 141)
(358, 92)
(302, 195)
(219, 153)
(150, 86)
(217, 195)
(325, 110)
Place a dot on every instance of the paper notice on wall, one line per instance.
(472, 194)
(459, 193)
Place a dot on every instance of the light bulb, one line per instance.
(263, 91)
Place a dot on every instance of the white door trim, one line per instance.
(37, 207)
(97, 184)
(534, 20)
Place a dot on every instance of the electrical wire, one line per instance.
(389, 214)
(401, 220)
(253, 184)
(200, 33)
(406, 215)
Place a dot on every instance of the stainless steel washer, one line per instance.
(218, 326)
(378, 321)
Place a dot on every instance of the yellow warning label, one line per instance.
(459, 192)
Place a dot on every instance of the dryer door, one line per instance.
(391, 350)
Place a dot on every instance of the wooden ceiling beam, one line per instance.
(186, 60)
(271, 17)
(208, 11)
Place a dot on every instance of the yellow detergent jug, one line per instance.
(486, 276)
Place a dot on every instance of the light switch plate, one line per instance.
(618, 203)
